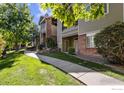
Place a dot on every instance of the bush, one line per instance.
(32, 48)
(71, 51)
(110, 43)
(41, 46)
(51, 43)
(2, 44)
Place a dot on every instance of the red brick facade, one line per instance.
(82, 48)
(48, 30)
(48, 27)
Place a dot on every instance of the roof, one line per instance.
(43, 18)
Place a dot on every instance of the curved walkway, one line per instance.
(85, 75)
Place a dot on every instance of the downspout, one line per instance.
(45, 30)
(123, 12)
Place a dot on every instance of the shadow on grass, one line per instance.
(94, 66)
(75, 60)
(6, 64)
(9, 60)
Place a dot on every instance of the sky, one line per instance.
(36, 11)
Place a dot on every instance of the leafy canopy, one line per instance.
(2, 44)
(15, 22)
(68, 13)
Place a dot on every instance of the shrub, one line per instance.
(71, 50)
(2, 44)
(32, 48)
(51, 43)
(110, 43)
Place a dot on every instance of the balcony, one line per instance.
(70, 31)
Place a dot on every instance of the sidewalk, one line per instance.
(85, 75)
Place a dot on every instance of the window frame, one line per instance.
(90, 43)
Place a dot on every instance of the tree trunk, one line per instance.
(37, 43)
(4, 53)
(16, 46)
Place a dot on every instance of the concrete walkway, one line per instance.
(85, 75)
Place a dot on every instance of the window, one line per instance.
(106, 8)
(88, 7)
(90, 41)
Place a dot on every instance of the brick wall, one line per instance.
(49, 27)
(82, 50)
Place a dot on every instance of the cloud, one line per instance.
(29, 4)
(41, 10)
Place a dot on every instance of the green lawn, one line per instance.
(98, 67)
(19, 69)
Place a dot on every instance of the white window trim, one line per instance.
(87, 35)
(108, 9)
(90, 32)
(91, 45)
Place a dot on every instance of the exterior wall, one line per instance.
(123, 12)
(59, 34)
(43, 27)
(82, 49)
(68, 42)
(115, 14)
(70, 31)
(48, 30)
(48, 27)
(51, 29)
(41, 39)
(54, 30)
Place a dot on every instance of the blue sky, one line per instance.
(36, 11)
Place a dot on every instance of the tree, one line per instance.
(68, 13)
(2, 44)
(16, 23)
(8, 37)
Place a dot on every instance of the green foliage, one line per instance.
(8, 37)
(110, 42)
(15, 23)
(71, 50)
(2, 44)
(70, 13)
(51, 43)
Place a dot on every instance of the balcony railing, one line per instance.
(70, 31)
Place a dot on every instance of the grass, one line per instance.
(97, 67)
(19, 69)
